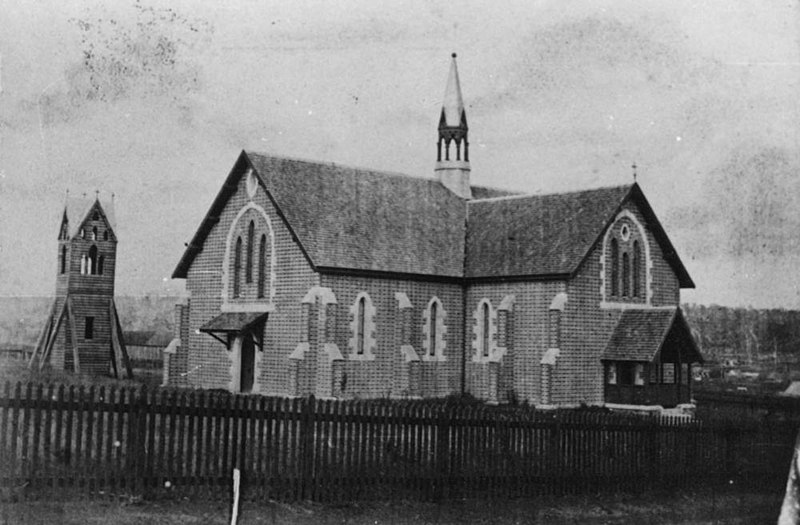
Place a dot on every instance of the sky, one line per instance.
(153, 101)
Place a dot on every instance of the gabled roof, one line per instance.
(354, 219)
(550, 235)
(358, 220)
(77, 209)
(641, 334)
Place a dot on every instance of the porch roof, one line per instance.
(641, 334)
(233, 322)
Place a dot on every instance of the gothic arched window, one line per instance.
(614, 267)
(432, 328)
(262, 263)
(105, 235)
(237, 267)
(100, 262)
(92, 264)
(63, 259)
(485, 330)
(248, 271)
(626, 274)
(94, 233)
(360, 321)
(637, 269)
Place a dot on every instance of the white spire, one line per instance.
(453, 106)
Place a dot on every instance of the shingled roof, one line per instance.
(351, 219)
(76, 209)
(550, 235)
(641, 334)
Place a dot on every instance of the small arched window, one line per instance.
(262, 265)
(637, 269)
(100, 262)
(96, 216)
(83, 264)
(92, 269)
(485, 330)
(432, 329)
(83, 233)
(105, 235)
(94, 233)
(626, 274)
(237, 266)
(360, 320)
(248, 271)
(64, 259)
(614, 267)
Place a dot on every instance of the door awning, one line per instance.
(232, 323)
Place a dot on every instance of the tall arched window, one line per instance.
(432, 329)
(105, 235)
(248, 271)
(83, 264)
(626, 274)
(63, 259)
(485, 330)
(637, 269)
(262, 270)
(237, 266)
(100, 262)
(92, 260)
(614, 267)
(94, 233)
(361, 313)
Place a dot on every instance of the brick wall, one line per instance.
(586, 328)
(376, 378)
(208, 363)
(528, 334)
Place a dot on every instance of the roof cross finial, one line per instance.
(634, 171)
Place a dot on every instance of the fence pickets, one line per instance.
(122, 440)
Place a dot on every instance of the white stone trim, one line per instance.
(247, 307)
(227, 262)
(234, 356)
(559, 301)
(402, 300)
(440, 331)
(370, 344)
(648, 264)
(325, 294)
(550, 356)
(613, 305)
(507, 303)
(172, 347)
(332, 351)
(408, 353)
(477, 332)
(300, 350)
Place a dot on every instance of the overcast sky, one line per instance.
(153, 101)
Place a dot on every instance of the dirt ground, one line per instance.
(658, 509)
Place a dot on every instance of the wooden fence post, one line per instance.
(137, 451)
(442, 452)
(306, 439)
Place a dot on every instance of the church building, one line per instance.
(316, 278)
(83, 333)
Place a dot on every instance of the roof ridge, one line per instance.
(341, 165)
(552, 194)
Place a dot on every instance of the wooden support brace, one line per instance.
(75, 353)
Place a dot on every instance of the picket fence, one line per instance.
(114, 440)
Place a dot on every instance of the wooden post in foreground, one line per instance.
(235, 512)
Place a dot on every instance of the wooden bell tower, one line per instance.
(83, 332)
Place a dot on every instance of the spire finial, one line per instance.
(453, 55)
(634, 171)
(97, 195)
